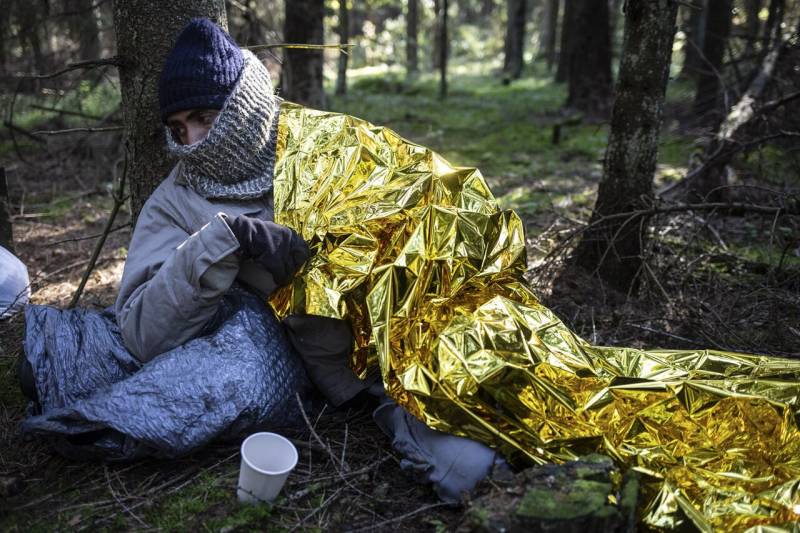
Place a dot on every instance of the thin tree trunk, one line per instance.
(412, 48)
(6, 227)
(772, 27)
(695, 39)
(344, 30)
(614, 250)
(437, 35)
(709, 82)
(146, 31)
(33, 36)
(614, 15)
(753, 25)
(5, 35)
(443, 49)
(301, 77)
(565, 49)
(515, 38)
(549, 33)
(709, 182)
(590, 84)
(84, 28)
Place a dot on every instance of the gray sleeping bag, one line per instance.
(97, 400)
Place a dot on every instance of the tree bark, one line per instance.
(772, 27)
(301, 77)
(436, 55)
(31, 18)
(412, 48)
(515, 38)
(718, 27)
(84, 28)
(6, 227)
(549, 34)
(5, 36)
(443, 48)
(244, 23)
(614, 249)
(709, 182)
(344, 30)
(590, 83)
(565, 49)
(146, 31)
(752, 24)
(695, 39)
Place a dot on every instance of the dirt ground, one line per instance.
(727, 282)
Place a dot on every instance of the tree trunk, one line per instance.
(614, 249)
(31, 18)
(437, 35)
(709, 182)
(5, 36)
(412, 54)
(301, 77)
(772, 27)
(614, 16)
(753, 25)
(565, 50)
(515, 38)
(244, 23)
(84, 28)
(549, 33)
(590, 84)
(6, 227)
(695, 39)
(344, 30)
(718, 27)
(443, 49)
(146, 31)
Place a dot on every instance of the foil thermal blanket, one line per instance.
(428, 269)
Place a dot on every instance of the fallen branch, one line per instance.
(77, 130)
(401, 517)
(319, 440)
(14, 128)
(706, 178)
(88, 237)
(119, 199)
(730, 208)
(88, 64)
(6, 225)
(64, 112)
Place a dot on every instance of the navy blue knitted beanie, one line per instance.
(201, 70)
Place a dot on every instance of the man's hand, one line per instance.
(278, 248)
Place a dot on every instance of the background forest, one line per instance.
(653, 154)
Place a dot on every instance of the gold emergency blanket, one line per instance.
(419, 257)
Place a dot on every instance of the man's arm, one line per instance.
(172, 281)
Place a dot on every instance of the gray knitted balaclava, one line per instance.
(237, 158)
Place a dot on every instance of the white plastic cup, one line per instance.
(267, 459)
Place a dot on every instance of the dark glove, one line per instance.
(278, 248)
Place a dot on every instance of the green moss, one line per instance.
(583, 498)
(629, 495)
(479, 517)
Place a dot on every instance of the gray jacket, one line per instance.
(180, 263)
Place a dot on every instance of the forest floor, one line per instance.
(711, 281)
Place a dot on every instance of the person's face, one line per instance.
(192, 125)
